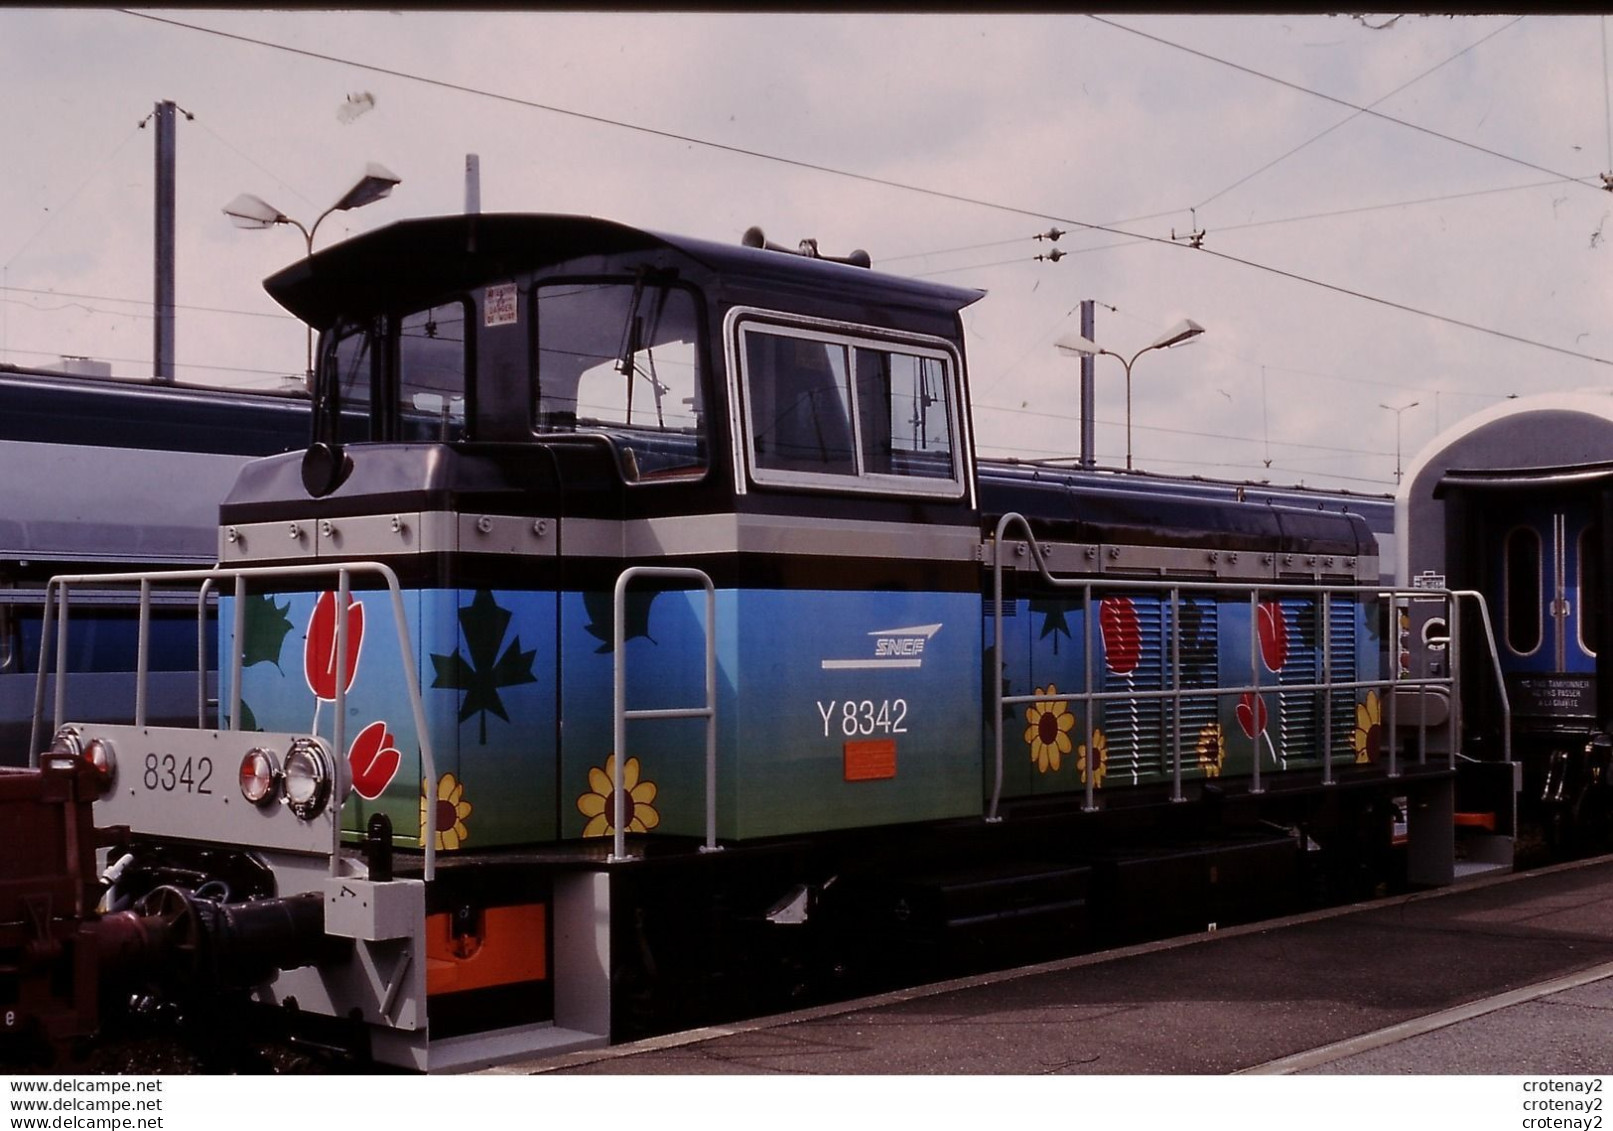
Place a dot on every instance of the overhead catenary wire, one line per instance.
(1221, 229)
(280, 316)
(939, 194)
(1345, 121)
(1425, 130)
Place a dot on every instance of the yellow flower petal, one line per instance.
(599, 826)
(643, 793)
(590, 804)
(630, 774)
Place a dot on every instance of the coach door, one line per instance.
(1544, 582)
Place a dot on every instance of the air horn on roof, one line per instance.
(753, 237)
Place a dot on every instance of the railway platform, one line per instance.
(1506, 975)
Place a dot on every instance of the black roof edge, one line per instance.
(1523, 478)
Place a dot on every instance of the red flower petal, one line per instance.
(1122, 636)
(1252, 714)
(374, 759)
(1273, 628)
(319, 653)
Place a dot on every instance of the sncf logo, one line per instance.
(892, 648)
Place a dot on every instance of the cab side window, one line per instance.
(843, 410)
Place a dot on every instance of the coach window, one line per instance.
(433, 358)
(838, 411)
(1590, 587)
(1522, 567)
(621, 358)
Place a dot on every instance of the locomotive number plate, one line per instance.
(170, 773)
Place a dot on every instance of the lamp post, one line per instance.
(1397, 412)
(1183, 331)
(253, 212)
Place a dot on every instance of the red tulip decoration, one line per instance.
(374, 759)
(319, 654)
(1252, 714)
(1273, 630)
(1122, 635)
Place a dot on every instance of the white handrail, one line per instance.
(621, 715)
(1174, 588)
(206, 580)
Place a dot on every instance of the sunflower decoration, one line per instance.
(1212, 750)
(1098, 762)
(451, 811)
(599, 803)
(1367, 738)
(1049, 731)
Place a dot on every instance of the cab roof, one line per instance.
(413, 263)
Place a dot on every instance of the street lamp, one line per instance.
(253, 212)
(1397, 412)
(1183, 331)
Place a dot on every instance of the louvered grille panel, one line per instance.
(1299, 712)
(1139, 732)
(1135, 728)
(1342, 617)
(1200, 663)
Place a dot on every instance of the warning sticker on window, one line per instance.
(499, 306)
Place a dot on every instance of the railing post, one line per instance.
(997, 663)
(46, 618)
(1176, 697)
(1453, 671)
(1394, 678)
(237, 650)
(711, 719)
(142, 653)
(1255, 705)
(1327, 680)
(1090, 804)
(60, 709)
(338, 754)
(202, 591)
(619, 713)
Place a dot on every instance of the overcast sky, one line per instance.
(1394, 209)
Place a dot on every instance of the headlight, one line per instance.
(259, 776)
(66, 743)
(306, 778)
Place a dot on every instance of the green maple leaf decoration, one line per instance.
(601, 617)
(1053, 623)
(266, 627)
(484, 623)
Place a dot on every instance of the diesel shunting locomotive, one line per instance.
(639, 641)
